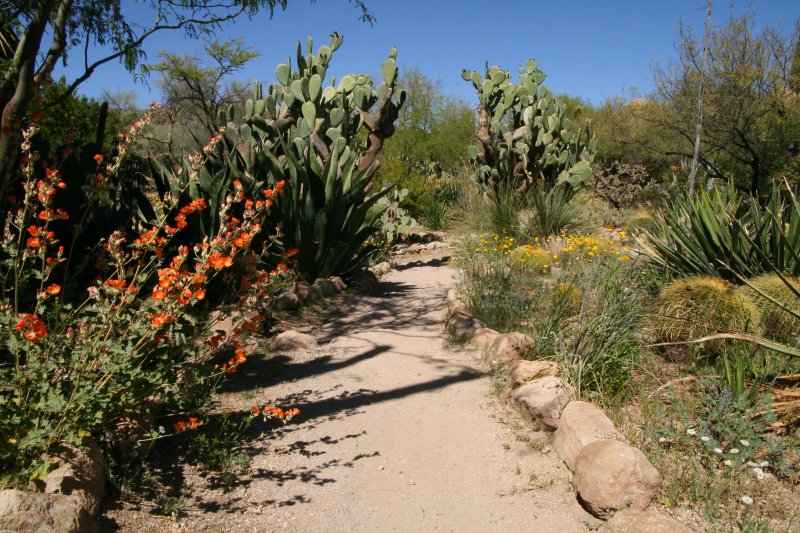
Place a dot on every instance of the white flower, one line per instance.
(747, 500)
(705, 438)
(752, 464)
(734, 451)
(759, 473)
(745, 443)
(691, 432)
(764, 464)
(727, 462)
(161, 429)
(662, 439)
(717, 450)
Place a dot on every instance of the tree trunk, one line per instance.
(698, 131)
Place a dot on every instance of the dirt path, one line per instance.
(397, 432)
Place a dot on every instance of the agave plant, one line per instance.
(720, 233)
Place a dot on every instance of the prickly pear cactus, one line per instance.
(525, 138)
(301, 109)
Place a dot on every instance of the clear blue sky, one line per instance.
(589, 48)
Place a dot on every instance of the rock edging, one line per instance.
(613, 479)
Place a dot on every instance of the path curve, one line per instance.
(398, 432)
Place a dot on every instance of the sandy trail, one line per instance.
(398, 432)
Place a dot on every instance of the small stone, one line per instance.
(581, 423)
(452, 297)
(415, 248)
(36, 512)
(382, 268)
(633, 521)
(326, 287)
(484, 337)
(294, 340)
(462, 325)
(341, 285)
(611, 475)
(287, 301)
(543, 400)
(381, 467)
(510, 346)
(522, 371)
(363, 282)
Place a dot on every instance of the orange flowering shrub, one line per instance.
(78, 355)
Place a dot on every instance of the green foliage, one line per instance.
(698, 306)
(395, 219)
(550, 214)
(525, 137)
(323, 143)
(434, 214)
(567, 298)
(773, 297)
(720, 233)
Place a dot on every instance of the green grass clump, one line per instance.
(777, 321)
(566, 297)
(697, 306)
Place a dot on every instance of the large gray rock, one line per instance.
(79, 473)
(633, 521)
(510, 346)
(611, 475)
(522, 371)
(543, 400)
(581, 423)
(294, 340)
(35, 512)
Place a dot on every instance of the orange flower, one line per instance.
(185, 296)
(200, 294)
(53, 289)
(34, 242)
(217, 260)
(33, 231)
(159, 294)
(290, 252)
(255, 411)
(116, 283)
(35, 329)
(240, 356)
(159, 319)
(98, 158)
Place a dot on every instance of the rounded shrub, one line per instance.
(698, 306)
(777, 321)
(566, 297)
(529, 258)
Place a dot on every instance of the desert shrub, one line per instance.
(550, 214)
(530, 259)
(775, 301)
(434, 213)
(76, 364)
(698, 306)
(624, 185)
(566, 297)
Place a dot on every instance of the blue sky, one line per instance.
(592, 49)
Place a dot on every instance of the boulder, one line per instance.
(611, 475)
(326, 287)
(581, 423)
(543, 400)
(510, 346)
(34, 512)
(452, 297)
(415, 248)
(484, 337)
(287, 301)
(294, 340)
(522, 371)
(633, 521)
(462, 325)
(79, 473)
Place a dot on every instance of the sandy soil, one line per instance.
(398, 432)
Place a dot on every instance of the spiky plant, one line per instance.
(697, 306)
(566, 298)
(775, 300)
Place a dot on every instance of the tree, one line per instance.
(748, 107)
(194, 89)
(86, 25)
(432, 127)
